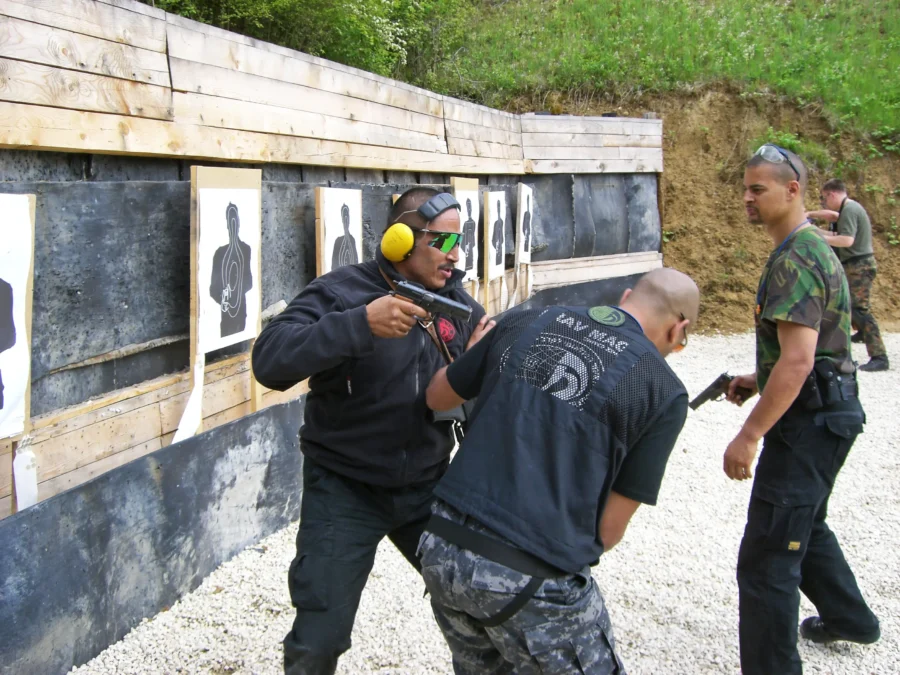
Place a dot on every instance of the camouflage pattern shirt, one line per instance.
(803, 282)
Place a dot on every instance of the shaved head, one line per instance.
(667, 294)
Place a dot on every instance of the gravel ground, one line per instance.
(670, 584)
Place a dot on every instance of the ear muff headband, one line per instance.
(399, 240)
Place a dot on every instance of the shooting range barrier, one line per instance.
(105, 108)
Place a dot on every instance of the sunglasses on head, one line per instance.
(775, 155)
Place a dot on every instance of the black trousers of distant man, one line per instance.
(342, 521)
(787, 545)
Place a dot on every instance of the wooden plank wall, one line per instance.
(572, 144)
(553, 273)
(73, 445)
(94, 76)
(121, 77)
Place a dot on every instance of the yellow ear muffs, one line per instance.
(397, 242)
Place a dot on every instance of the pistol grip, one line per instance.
(744, 393)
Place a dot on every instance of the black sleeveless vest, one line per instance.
(564, 399)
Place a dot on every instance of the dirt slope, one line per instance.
(706, 139)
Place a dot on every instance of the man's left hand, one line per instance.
(485, 324)
(739, 457)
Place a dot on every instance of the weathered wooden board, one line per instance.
(228, 113)
(97, 19)
(189, 76)
(599, 153)
(78, 448)
(575, 124)
(475, 132)
(26, 41)
(598, 140)
(579, 270)
(59, 129)
(22, 82)
(594, 166)
(432, 105)
(462, 146)
(471, 113)
(191, 45)
(136, 6)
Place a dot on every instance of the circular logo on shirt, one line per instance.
(564, 366)
(608, 316)
(446, 330)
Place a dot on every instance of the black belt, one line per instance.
(498, 552)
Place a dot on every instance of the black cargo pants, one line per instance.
(342, 521)
(787, 545)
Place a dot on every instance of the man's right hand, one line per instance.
(392, 317)
(745, 381)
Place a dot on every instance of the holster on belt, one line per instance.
(826, 385)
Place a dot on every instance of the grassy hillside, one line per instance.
(844, 56)
(840, 56)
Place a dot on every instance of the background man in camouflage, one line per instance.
(809, 416)
(852, 241)
(577, 413)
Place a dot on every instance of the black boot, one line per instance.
(814, 629)
(876, 364)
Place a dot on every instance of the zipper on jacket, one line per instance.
(349, 387)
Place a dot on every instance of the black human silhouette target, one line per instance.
(7, 325)
(231, 277)
(344, 252)
(497, 236)
(468, 239)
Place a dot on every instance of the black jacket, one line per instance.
(365, 414)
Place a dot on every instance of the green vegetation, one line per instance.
(399, 38)
(842, 56)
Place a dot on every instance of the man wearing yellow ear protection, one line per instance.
(372, 450)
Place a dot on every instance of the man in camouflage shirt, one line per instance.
(852, 241)
(809, 416)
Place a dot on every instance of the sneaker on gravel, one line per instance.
(814, 629)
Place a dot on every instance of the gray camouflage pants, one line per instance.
(564, 628)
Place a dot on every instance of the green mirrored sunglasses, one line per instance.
(444, 241)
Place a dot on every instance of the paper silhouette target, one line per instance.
(338, 228)
(16, 260)
(523, 224)
(228, 266)
(231, 277)
(468, 247)
(495, 244)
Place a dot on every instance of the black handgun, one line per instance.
(718, 389)
(432, 302)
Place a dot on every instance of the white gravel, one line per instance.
(670, 584)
